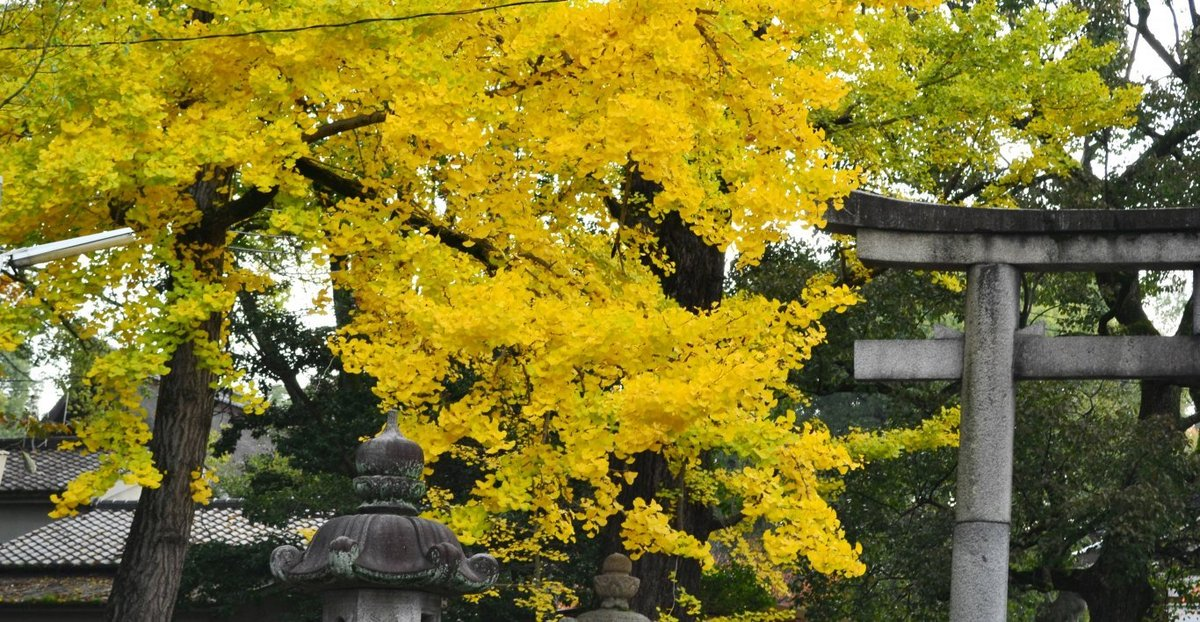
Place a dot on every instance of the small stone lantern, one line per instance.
(385, 564)
(615, 586)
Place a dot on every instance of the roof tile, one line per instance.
(43, 470)
(96, 538)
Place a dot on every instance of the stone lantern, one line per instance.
(615, 586)
(385, 564)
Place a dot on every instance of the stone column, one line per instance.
(385, 564)
(983, 501)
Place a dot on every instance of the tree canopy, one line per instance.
(517, 198)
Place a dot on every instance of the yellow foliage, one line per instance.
(935, 432)
(647, 530)
(684, 602)
(952, 282)
(481, 223)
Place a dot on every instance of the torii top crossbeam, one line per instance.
(909, 234)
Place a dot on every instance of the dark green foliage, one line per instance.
(899, 510)
(274, 492)
(733, 589)
(319, 434)
(223, 579)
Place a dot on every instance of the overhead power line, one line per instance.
(286, 30)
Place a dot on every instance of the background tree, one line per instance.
(16, 387)
(530, 204)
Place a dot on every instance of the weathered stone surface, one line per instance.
(985, 433)
(1111, 358)
(984, 491)
(865, 210)
(1036, 358)
(386, 550)
(1098, 252)
(910, 234)
(614, 588)
(978, 583)
(379, 606)
(390, 472)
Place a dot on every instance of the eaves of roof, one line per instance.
(42, 471)
(95, 539)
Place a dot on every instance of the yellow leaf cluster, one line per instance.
(937, 431)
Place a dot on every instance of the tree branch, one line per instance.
(344, 125)
(480, 249)
(239, 209)
(322, 176)
(1165, 143)
(1143, 28)
(272, 357)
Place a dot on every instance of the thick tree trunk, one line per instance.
(1114, 591)
(147, 581)
(695, 282)
(1128, 601)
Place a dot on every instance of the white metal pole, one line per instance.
(42, 253)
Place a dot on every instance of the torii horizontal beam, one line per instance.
(925, 236)
(1036, 358)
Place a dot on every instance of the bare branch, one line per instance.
(344, 125)
(239, 209)
(321, 175)
(1143, 28)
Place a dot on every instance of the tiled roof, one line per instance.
(95, 538)
(42, 470)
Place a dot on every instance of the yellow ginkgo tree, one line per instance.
(534, 201)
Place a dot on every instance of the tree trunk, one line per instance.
(696, 282)
(145, 587)
(147, 581)
(1126, 602)
(1114, 591)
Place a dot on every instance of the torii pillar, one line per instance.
(994, 247)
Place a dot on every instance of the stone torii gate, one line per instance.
(994, 246)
